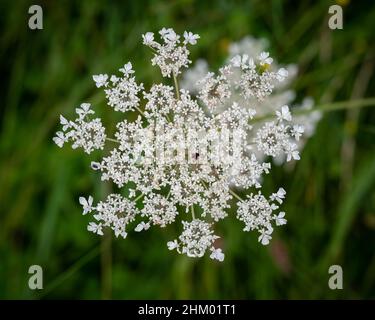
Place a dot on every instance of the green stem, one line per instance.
(106, 265)
(70, 271)
(328, 107)
(334, 106)
(141, 112)
(169, 193)
(168, 118)
(235, 195)
(204, 184)
(139, 197)
(176, 86)
(112, 140)
(153, 50)
(192, 212)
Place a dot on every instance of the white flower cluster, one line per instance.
(259, 81)
(83, 132)
(187, 156)
(195, 239)
(256, 80)
(171, 55)
(121, 92)
(273, 138)
(256, 212)
(159, 210)
(116, 212)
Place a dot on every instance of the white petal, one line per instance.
(83, 201)
(63, 121)
(124, 234)
(58, 141)
(139, 227)
(172, 245)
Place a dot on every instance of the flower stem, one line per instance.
(112, 140)
(139, 197)
(153, 50)
(176, 86)
(70, 271)
(169, 193)
(204, 184)
(168, 118)
(327, 107)
(340, 105)
(141, 112)
(235, 195)
(192, 212)
(106, 266)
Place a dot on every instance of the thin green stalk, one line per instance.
(192, 212)
(140, 111)
(169, 193)
(176, 86)
(112, 140)
(153, 50)
(327, 107)
(341, 105)
(168, 118)
(234, 194)
(204, 184)
(106, 256)
(106, 265)
(139, 197)
(70, 271)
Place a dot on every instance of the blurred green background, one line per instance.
(330, 193)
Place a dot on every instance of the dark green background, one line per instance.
(330, 193)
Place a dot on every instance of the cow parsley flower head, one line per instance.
(182, 159)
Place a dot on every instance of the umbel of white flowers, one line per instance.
(281, 94)
(187, 130)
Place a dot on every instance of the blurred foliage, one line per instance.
(331, 201)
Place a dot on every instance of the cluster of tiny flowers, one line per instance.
(257, 214)
(115, 213)
(195, 239)
(256, 79)
(260, 82)
(274, 137)
(185, 155)
(172, 54)
(215, 90)
(159, 210)
(83, 132)
(121, 92)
